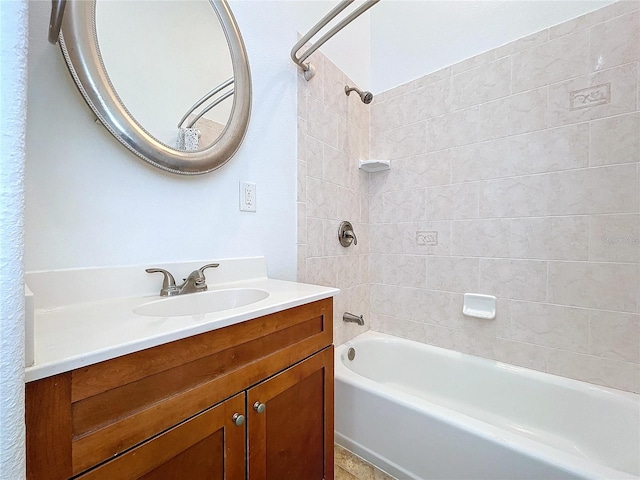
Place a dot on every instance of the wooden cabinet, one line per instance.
(292, 438)
(168, 412)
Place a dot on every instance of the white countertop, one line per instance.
(79, 334)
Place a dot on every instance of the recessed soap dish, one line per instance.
(479, 306)
(373, 166)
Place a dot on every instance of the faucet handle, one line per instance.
(168, 284)
(210, 265)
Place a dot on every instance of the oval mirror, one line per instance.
(169, 79)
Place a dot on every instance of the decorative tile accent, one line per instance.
(427, 239)
(590, 97)
(514, 173)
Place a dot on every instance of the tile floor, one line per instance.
(349, 466)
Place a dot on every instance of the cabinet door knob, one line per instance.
(259, 407)
(238, 419)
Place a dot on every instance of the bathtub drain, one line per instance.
(351, 353)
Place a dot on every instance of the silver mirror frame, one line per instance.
(79, 45)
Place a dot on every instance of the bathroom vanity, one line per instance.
(249, 399)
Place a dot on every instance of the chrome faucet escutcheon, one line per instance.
(195, 282)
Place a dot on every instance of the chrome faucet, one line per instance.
(195, 282)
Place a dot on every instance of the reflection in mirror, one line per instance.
(153, 68)
(162, 58)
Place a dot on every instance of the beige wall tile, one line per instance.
(427, 102)
(523, 43)
(314, 156)
(352, 140)
(566, 328)
(615, 140)
(348, 205)
(452, 129)
(427, 306)
(623, 90)
(481, 84)
(394, 92)
(473, 62)
(315, 237)
(600, 371)
(551, 150)
(615, 42)
(614, 238)
(480, 238)
(388, 180)
(452, 274)
(403, 328)
(610, 286)
(521, 354)
(384, 238)
(551, 62)
(625, 6)
(403, 270)
(334, 81)
(301, 272)
(426, 170)
(322, 123)
(387, 115)
(433, 77)
(301, 221)
(443, 337)
(302, 140)
(583, 21)
(576, 192)
(512, 115)
(452, 202)
(404, 205)
(336, 166)
(514, 279)
(615, 336)
(301, 182)
(322, 271)
(550, 238)
(406, 141)
(322, 198)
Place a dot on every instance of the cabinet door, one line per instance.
(290, 422)
(209, 446)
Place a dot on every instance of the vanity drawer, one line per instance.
(94, 413)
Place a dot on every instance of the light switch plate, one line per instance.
(248, 199)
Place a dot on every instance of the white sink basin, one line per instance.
(201, 303)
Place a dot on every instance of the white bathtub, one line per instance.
(422, 412)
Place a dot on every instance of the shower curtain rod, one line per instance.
(309, 69)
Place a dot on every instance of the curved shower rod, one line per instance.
(309, 69)
(217, 89)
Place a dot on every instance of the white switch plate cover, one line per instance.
(248, 197)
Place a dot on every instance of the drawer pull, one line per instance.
(238, 419)
(259, 407)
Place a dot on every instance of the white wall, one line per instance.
(412, 38)
(348, 49)
(13, 58)
(91, 203)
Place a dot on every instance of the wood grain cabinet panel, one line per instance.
(292, 438)
(94, 419)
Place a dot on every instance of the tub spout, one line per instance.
(351, 318)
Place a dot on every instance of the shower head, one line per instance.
(366, 97)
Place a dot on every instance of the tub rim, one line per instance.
(527, 446)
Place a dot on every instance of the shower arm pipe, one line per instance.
(217, 89)
(213, 104)
(309, 70)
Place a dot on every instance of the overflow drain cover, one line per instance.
(351, 353)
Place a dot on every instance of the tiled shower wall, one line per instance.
(333, 133)
(514, 173)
